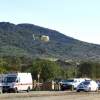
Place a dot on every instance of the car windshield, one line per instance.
(81, 83)
(86, 83)
(70, 80)
(10, 79)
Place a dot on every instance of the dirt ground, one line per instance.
(51, 96)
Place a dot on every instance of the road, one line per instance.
(51, 95)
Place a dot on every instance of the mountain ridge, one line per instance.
(17, 40)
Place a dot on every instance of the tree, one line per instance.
(89, 69)
(97, 69)
(16, 64)
(2, 63)
(84, 69)
(12, 64)
(47, 69)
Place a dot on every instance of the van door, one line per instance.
(18, 83)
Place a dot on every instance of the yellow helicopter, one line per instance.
(43, 38)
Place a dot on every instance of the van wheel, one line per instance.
(15, 90)
(28, 90)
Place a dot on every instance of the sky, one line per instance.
(79, 19)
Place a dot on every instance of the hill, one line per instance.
(17, 40)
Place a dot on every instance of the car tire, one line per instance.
(97, 89)
(3, 91)
(8, 91)
(78, 91)
(62, 89)
(72, 88)
(89, 89)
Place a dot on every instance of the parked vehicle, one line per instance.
(71, 83)
(87, 86)
(17, 81)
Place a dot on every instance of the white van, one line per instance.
(17, 81)
(72, 83)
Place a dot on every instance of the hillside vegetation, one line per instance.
(17, 40)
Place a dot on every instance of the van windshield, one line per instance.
(9, 79)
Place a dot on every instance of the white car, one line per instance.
(71, 83)
(87, 86)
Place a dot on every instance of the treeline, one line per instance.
(48, 69)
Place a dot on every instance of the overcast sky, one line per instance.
(79, 19)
